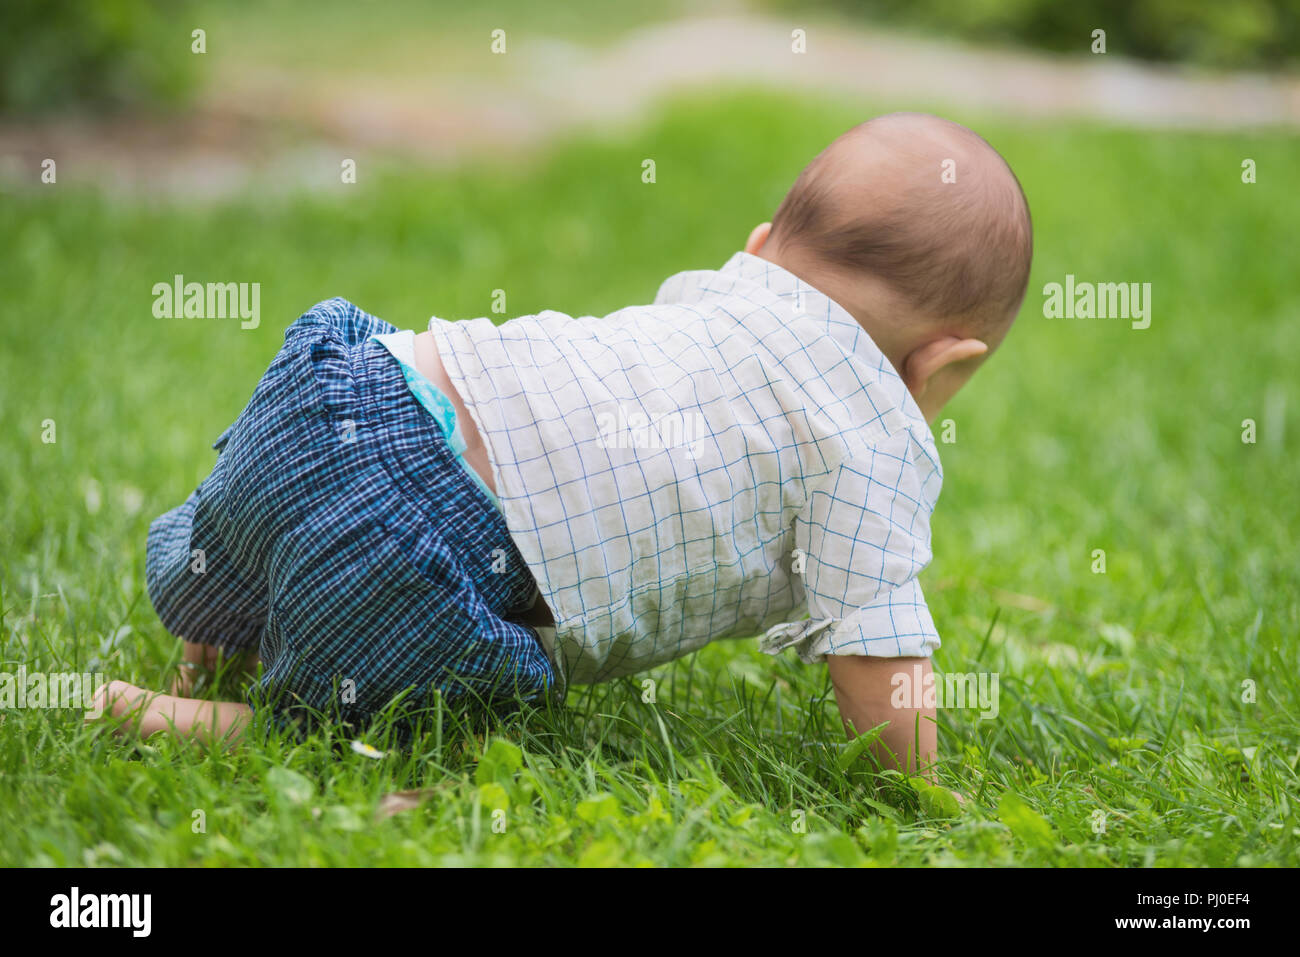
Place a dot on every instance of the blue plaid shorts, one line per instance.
(338, 535)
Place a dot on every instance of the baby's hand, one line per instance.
(116, 699)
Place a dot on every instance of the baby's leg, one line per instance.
(201, 592)
(864, 691)
(150, 712)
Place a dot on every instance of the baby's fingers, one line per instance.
(116, 699)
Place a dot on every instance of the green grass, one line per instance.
(1121, 692)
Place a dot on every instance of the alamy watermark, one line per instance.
(1103, 300)
(60, 689)
(640, 430)
(214, 300)
(75, 909)
(913, 689)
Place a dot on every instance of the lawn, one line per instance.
(1149, 713)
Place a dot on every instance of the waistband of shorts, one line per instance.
(410, 430)
(414, 443)
(353, 376)
(359, 386)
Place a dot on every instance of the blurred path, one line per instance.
(293, 126)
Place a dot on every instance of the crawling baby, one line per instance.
(495, 512)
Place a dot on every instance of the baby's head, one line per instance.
(919, 229)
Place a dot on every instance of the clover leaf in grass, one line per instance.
(1026, 824)
(499, 763)
(290, 786)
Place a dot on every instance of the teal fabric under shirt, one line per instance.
(402, 346)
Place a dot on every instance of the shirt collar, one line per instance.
(804, 299)
(806, 302)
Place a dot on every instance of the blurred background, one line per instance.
(128, 157)
(118, 84)
(77, 54)
(501, 145)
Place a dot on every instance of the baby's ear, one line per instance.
(924, 361)
(757, 237)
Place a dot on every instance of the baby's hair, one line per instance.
(951, 249)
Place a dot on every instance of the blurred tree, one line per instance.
(93, 54)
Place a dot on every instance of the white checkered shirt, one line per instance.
(718, 464)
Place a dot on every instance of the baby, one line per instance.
(495, 512)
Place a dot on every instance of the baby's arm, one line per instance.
(150, 712)
(863, 691)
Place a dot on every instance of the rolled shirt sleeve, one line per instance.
(862, 539)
